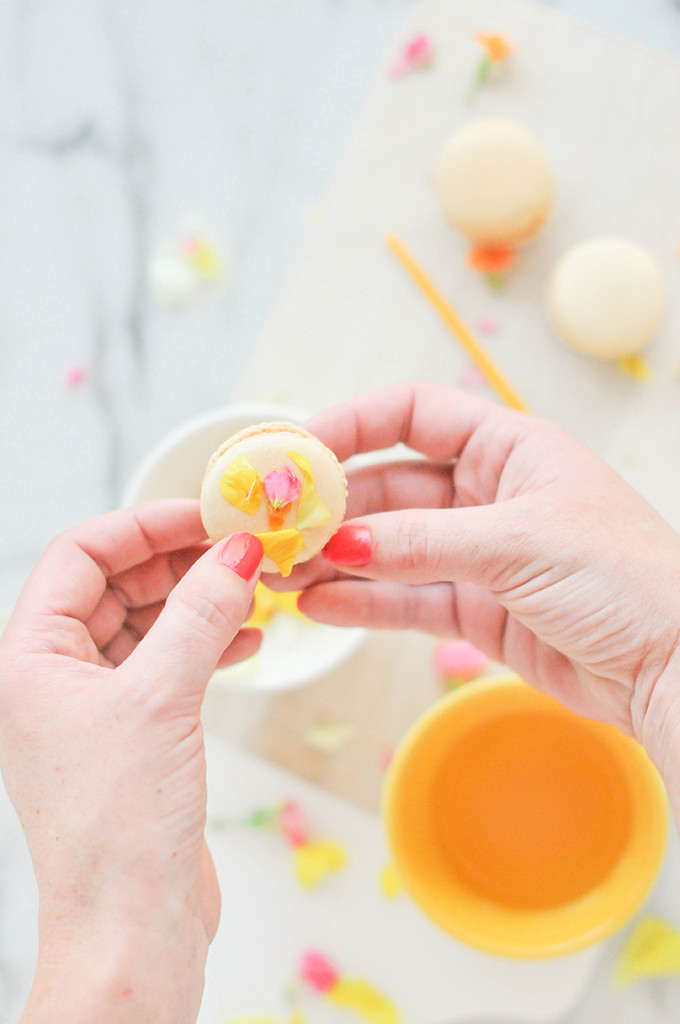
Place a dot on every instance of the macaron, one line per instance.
(607, 297)
(281, 483)
(495, 183)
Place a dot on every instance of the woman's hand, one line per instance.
(103, 668)
(511, 534)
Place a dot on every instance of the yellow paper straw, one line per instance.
(456, 326)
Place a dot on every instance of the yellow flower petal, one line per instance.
(268, 603)
(361, 997)
(296, 1017)
(331, 737)
(282, 546)
(313, 861)
(204, 258)
(311, 511)
(241, 486)
(390, 882)
(652, 951)
(635, 366)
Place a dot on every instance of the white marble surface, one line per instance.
(118, 121)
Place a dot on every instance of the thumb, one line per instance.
(480, 544)
(202, 615)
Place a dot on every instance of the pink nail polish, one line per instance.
(350, 546)
(242, 552)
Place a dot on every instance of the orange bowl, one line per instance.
(519, 827)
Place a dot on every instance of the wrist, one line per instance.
(656, 720)
(122, 973)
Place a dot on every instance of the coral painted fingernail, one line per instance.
(350, 546)
(243, 553)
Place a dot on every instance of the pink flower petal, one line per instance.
(317, 971)
(75, 375)
(487, 325)
(281, 488)
(459, 659)
(417, 52)
(293, 823)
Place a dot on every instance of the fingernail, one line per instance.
(350, 546)
(242, 552)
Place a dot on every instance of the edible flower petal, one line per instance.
(311, 511)
(281, 546)
(635, 366)
(281, 488)
(358, 995)
(652, 951)
(490, 259)
(313, 861)
(497, 46)
(317, 971)
(241, 486)
(390, 882)
(293, 823)
(416, 53)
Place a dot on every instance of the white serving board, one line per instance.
(268, 920)
(607, 113)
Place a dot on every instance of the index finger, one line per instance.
(433, 419)
(72, 574)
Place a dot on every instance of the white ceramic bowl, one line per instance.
(293, 651)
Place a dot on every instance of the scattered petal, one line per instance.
(390, 881)
(329, 738)
(182, 268)
(491, 259)
(459, 660)
(313, 861)
(651, 951)
(417, 53)
(487, 325)
(635, 366)
(75, 375)
(202, 255)
(293, 823)
(240, 485)
(282, 546)
(317, 971)
(498, 47)
(358, 995)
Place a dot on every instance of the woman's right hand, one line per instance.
(515, 536)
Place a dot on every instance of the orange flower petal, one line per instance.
(491, 259)
(498, 47)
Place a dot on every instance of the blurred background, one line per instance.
(160, 163)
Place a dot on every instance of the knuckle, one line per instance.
(414, 544)
(208, 613)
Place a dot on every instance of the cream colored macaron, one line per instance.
(495, 183)
(607, 297)
(279, 482)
